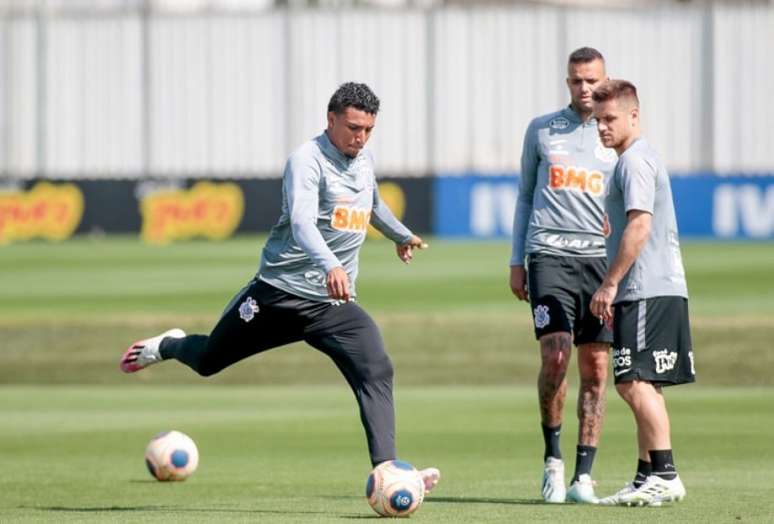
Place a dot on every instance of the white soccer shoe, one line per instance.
(430, 476)
(143, 353)
(653, 492)
(582, 491)
(615, 498)
(553, 488)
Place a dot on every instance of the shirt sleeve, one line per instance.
(302, 189)
(639, 184)
(385, 221)
(529, 167)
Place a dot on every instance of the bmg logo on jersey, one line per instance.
(576, 178)
(351, 219)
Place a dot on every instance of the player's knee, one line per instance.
(378, 370)
(555, 358)
(595, 376)
(626, 391)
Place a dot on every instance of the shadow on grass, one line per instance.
(177, 509)
(484, 500)
(465, 500)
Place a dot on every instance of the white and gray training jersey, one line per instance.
(641, 182)
(564, 171)
(328, 201)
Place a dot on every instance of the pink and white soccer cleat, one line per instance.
(430, 476)
(143, 353)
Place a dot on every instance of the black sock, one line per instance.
(643, 471)
(663, 464)
(164, 350)
(584, 458)
(551, 439)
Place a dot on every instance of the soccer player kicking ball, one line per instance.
(644, 294)
(305, 286)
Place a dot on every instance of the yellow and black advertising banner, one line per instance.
(46, 210)
(165, 211)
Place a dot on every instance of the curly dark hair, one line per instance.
(354, 95)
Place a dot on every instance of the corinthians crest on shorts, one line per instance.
(542, 318)
(248, 309)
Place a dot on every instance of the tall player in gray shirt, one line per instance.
(305, 287)
(558, 228)
(643, 294)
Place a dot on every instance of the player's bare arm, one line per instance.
(634, 238)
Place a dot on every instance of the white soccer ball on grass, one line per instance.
(171, 455)
(395, 489)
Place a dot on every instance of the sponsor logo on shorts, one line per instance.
(563, 178)
(248, 309)
(559, 122)
(665, 360)
(542, 318)
(622, 360)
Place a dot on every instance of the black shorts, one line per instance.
(560, 291)
(652, 341)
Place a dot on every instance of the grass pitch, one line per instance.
(279, 435)
(297, 454)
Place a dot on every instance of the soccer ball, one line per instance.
(171, 455)
(395, 489)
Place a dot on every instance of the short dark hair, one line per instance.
(354, 95)
(584, 55)
(616, 90)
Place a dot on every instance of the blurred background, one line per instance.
(129, 99)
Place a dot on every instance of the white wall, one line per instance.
(231, 94)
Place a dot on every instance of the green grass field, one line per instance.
(279, 435)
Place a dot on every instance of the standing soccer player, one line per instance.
(305, 286)
(643, 294)
(558, 227)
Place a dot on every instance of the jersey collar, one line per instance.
(570, 114)
(332, 152)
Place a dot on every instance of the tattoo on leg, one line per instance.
(552, 386)
(591, 411)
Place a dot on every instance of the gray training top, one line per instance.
(328, 200)
(564, 171)
(641, 182)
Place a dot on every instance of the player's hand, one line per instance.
(406, 251)
(338, 284)
(519, 282)
(602, 302)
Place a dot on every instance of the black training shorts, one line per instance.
(560, 291)
(652, 341)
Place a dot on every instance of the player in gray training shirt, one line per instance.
(641, 182)
(558, 228)
(643, 294)
(305, 287)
